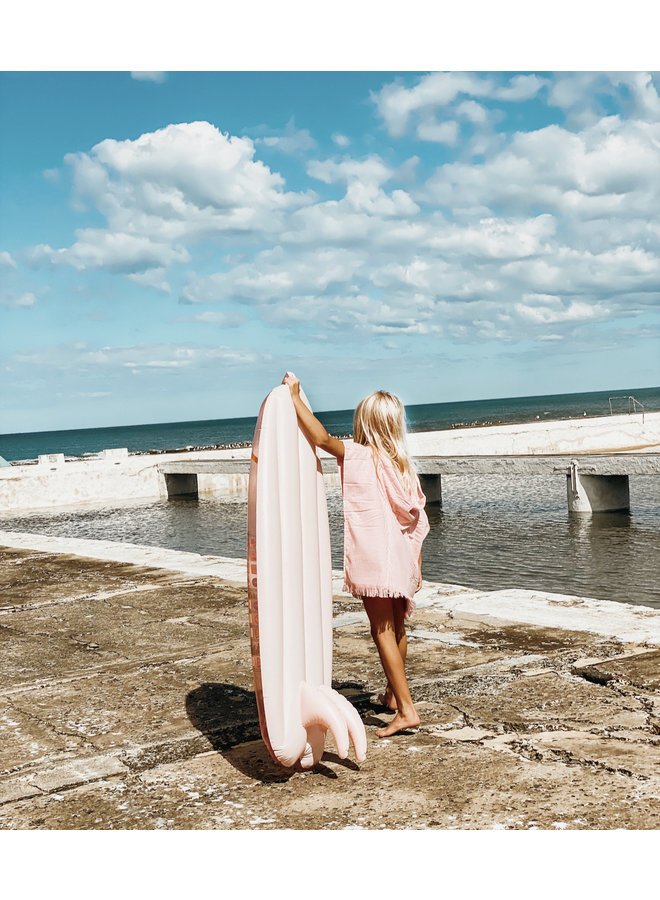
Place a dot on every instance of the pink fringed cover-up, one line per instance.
(384, 527)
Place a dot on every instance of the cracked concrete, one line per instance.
(126, 701)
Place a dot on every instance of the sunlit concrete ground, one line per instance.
(126, 702)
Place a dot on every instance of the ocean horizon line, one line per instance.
(324, 412)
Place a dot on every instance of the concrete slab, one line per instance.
(151, 704)
(27, 741)
(17, 789)
(77, 576)
(639, 669)
(26, 658)
(641, 758)
(554, 700)
(80, 772)
(631, 623)
(625, 622)
(122, 629)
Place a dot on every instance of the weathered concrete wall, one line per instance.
(117, 476)
(238, 484)
(34, 487)
(590, 435)
(112, 477)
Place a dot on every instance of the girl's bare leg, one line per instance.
(399, 605)
(382, 619)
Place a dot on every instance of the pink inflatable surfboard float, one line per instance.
(290, 594)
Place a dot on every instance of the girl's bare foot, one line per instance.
(388, 699)
(400, 722)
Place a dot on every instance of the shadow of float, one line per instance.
(227, 716)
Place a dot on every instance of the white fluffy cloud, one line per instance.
(166, 190)
(11, 300)
(547, 309)
(586, 97)
(498, 277)
(227, 320)
(646, 102)
(398, 105)
(520, 87)
(440, 132)
(154, 278)
(611, 168)
(83, 358)
(554, 231)
(276, 275)
(496, 238)
(119, 252)
(472, 111)
(158, 77)
(364, 192)
(6, 260)
(291, 140)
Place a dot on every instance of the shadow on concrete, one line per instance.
(253, 760)
(363, 702)
(225, 713)
(227, 716)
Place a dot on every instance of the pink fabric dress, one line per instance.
(384, 527)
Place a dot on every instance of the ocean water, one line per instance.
(222, 432)
(490, 533)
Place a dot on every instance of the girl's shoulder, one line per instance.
(357, 451)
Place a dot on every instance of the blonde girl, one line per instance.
(384, 527)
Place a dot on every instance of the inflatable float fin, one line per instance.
(316, 708)
(353, 721)
(314, 746)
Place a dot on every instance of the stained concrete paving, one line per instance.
(127, 703)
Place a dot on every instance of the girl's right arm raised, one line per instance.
(309, 423)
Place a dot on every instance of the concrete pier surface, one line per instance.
(127, 703)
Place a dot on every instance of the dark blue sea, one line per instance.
(490, 533)
(421, 417)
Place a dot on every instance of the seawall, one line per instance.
(116, 476)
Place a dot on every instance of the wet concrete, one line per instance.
(127, 702)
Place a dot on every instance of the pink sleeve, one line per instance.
(353, 460)
(355, 451)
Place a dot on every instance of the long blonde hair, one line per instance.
(380, 423)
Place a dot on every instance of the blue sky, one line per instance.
(171, 243)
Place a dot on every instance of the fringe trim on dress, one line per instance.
(366, 590)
